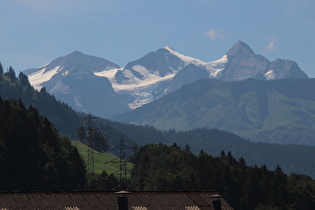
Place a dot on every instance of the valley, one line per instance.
(197, 159)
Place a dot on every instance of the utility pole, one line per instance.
(87, 124)
(123, 171)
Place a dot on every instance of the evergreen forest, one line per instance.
(171, 168)
(32, 154)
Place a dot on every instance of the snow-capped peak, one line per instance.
(186, 59)
(167, 47)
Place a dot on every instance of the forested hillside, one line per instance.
(32, 154)
(292, 158)
(60, 114)
(63, 117)
(161, 167)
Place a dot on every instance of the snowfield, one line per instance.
(39, 77)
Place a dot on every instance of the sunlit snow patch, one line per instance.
(216, 67)
(110, 74)
(270, 74)
(39, 77)
(185, 58)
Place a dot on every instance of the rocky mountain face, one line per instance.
(284, 69)
(71, 79)
(243, 64)
(278, 111)
(159, 63)
(188, 74)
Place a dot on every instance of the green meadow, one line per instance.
(102, 161)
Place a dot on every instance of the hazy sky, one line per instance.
(34, 32)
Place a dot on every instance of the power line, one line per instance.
(87, 136)
(123, 170)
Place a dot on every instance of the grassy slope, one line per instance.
(112, 162)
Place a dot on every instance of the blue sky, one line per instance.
(34, 32)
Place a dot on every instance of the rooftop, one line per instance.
(108, 200)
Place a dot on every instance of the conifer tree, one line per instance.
(1, 68)
(23, 79)
(11, 74)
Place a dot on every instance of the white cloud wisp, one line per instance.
(215, 34)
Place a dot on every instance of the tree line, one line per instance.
(291, 158)
(171, 168)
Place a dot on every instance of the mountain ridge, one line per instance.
(259, 110)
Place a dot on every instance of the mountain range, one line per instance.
(80, 79)
(165, 70)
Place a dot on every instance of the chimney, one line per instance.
(122, 200)
(217, 203)
(122, 203)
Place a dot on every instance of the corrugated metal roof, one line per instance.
(198, 199)
(108, 200)
(192, 208)
(139, 208)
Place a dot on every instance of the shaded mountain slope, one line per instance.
(71, 79)
(280, 111)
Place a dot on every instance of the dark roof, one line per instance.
(108, 200)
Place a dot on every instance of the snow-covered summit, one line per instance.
(71, 79)
(64, 65)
